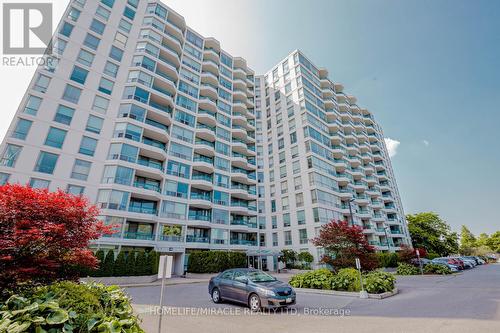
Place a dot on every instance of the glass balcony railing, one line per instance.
(142, 210)
(156, 124)
(203, 159)
(154, 143)
(146, 186)
(206, 178)
(201, 196)
(197, 239)
(199, 217)
(138, 235)
(171, 238)
(243, 242)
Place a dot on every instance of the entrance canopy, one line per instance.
(263, 253)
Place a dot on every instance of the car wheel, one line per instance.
(216, 296)
(254, 302)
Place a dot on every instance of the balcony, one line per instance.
(243, 242)
(142, 210)
(149, 187)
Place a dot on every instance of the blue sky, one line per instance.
(428, 70)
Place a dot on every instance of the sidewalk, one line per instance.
(148, 281)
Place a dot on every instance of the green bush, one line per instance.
(153, 262)
(347, 279)
(436, 269)
(406, 269)
(317, 279)
(432, 255)
(130, 263)
(100, 257)
(377, 282)
(141, 264)
(215, 261)
(69, 307)
(120, 267)
(388, 259)
(108, 264)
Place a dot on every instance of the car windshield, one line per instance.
(258, 276)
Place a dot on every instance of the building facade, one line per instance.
(183, 148)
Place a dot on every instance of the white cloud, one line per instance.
(392, 146)
(426, 143)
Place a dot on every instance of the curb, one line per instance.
(159, 284)
(394, 292)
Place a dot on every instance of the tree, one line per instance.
(141, 264)
(130, 263)
(108, 264)
(429, 231)
(44, 236)
(493, 242)
(288, 257)
(306, 258)
(482, 240)
(100, 259)
(343, 244)
(467, 240)
(120, 268)
(153, 262)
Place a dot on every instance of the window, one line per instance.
(116, 53)
(81, 169)
(91, 41)
(10, 154)
(111, 69)
(64, 115)
(103, 13)
(288, 237)
(184, 118)
(186, 103)
(301, 217)
(299, 199)
(178, 169)
(133, 3)
(88, 146)
(286, 220)
(296, 167)
(85, 58)
(72, 94)
(194, 39)
(182, 134)
(66, 29)
(303, 236)
(188, 89)
(94, 124)
(79, 75)
(100, 104)
(41, 83)
(32, 105)
(297, 181)
(108, 3)
(293, 138)
(97, 26)
(75, 189)
(129, 13)
(39, 183)
(125, 26)
(46, 162)
(4, 178)
(176, 189)
(117, 175)
(60, 46)
(22, 128)
(121, 39)
(112, 199)
(173, 210)
(106, 86)
(284, 203)
(123, 152)
(275, 239)
(180, 151)
(55, 137)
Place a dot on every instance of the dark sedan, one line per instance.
(252, 287)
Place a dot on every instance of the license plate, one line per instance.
(289, 300)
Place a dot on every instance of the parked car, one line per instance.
(478, 260)
(453, 268)
(252, 287)
(449, 261)
(469, 263)
(424, 261)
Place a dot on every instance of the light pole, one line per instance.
(387, 237)
(350, 210)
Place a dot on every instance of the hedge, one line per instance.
(125, 264)
(215, 261)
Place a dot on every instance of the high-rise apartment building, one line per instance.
(183, 148)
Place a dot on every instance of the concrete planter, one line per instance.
(346, 293)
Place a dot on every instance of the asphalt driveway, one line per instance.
(474, 294)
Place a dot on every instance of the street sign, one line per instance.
(358, 264)
(168, 270)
